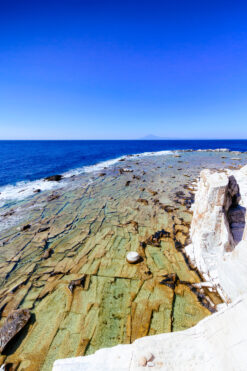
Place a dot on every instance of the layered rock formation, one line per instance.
(219, 250)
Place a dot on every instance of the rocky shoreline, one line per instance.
(219, 249)
(64, 263)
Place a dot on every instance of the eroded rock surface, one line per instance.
(87, 232)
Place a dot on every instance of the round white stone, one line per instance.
(132, 257)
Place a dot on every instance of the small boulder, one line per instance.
(26, 227)
(37, 190)
(79, 282)
(54, 178)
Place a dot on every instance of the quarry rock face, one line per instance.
(218, 230)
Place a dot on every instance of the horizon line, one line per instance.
(124, 139)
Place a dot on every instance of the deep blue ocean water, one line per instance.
(31, 160)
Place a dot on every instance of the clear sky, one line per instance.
(123, 69)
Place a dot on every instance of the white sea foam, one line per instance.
(106, 164)
(214, 150)
(25, 189)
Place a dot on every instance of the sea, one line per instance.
(27, 163)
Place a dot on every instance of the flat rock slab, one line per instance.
(14, 323)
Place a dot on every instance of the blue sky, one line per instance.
(123, 69)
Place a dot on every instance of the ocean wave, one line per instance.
(108, 163)
(23, 190)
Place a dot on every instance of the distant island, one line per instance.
(153, 137)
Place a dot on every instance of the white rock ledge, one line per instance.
(219, 250)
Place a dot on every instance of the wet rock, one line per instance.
(102, 174)
(54, 178)
(14, 323)
(37, 190)
(76, 283)
(26, 227)
(127, 183)
(154, 240)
